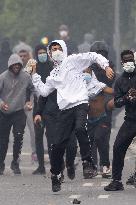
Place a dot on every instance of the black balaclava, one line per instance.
(100, 47)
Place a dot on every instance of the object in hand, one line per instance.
(132, 95)
(132, 92)
(4, 107)
(29, 66)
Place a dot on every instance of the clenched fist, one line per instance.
(37, 119)
(4, 106)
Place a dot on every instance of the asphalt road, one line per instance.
(36, 190)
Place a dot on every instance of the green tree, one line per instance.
(36, 18)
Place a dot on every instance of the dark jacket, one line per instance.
(101, 74)
(43, 69)
(123, 84)
(48, 105)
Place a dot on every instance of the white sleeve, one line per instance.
(84, 60)
(95, 86)
(41, 88)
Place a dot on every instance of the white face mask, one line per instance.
(129, 67)
(57, 56)
(63, 33)
(87, 77)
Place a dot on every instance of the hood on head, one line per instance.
(88, 37)
(63, 27)
(14, 59)
(23, 47)
(39, 47)
(63, 46)
(100, 47)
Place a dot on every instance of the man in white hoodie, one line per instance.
(72, 98)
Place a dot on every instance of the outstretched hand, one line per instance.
(109, 72)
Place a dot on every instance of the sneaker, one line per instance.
(34, 157)
(2, 168)
(71, 172)
(56, 183)
(115, 185)
(39, 171)
(89, 170)
(131, 180)
(15, 167)
(106, 172)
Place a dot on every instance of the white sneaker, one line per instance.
(34, 157)
(106, 173)
(132, 147)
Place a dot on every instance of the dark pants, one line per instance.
(39, 132)
(70, 120)
(99, 134)
(124, 138)
(50, 123)
(18, 121)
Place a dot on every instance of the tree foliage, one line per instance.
(36, 18)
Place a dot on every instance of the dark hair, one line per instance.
(53, 44)
(126, 52)
(39, 47)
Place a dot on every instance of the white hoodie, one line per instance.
(68, 78)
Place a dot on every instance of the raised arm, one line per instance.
(95, 86)
(43, 89)
(84, 60)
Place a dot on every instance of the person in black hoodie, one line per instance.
(125, 95)
(45, 115)
(99, 118)
(44, 66)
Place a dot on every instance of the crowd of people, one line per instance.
(68, 94)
